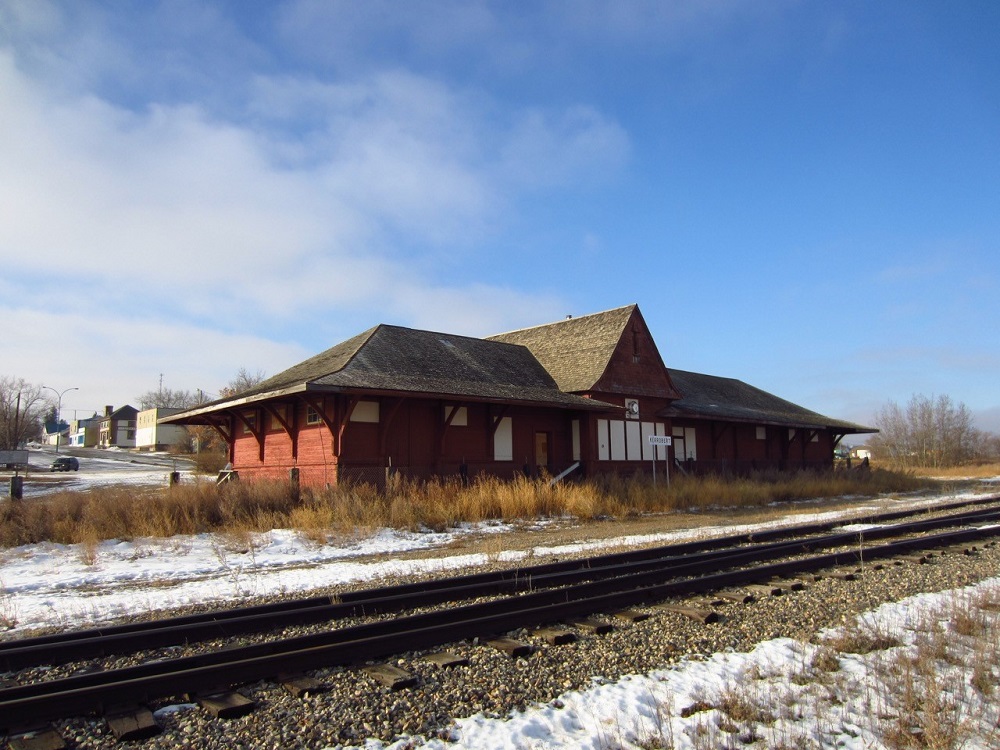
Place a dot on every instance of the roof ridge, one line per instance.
(633, 305)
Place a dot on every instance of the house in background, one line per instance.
(85, 433)
(55, 433)
(150, 435)
(118, 427)
(582, 396)
(861, 452)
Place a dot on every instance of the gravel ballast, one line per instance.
(355, 706)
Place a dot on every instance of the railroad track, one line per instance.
(104, 641)
(543, 594)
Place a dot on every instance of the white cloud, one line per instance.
(139, 231)
(113, 358)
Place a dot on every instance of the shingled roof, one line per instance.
(395, 359)
(575, 351)
(728, 399)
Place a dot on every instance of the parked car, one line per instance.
(65, 463)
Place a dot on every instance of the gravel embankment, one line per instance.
(356, 706)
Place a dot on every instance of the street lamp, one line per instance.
(58, 407)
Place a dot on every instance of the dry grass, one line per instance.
(979, 471)
(931, 687)
(321, 514)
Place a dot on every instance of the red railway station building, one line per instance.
(578, 397)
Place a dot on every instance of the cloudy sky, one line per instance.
(801, 195)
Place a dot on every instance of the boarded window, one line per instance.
(575, 428)
(649, 452)
(365, 411)
(603, 444)
(761, 432)
(690, 444)
(617, 441)
(461, 418)
(277, 417)
(503, 441)
(633, 441)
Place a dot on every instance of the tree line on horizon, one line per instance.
(932, 432)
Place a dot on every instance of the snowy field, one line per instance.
(98, 468)
(72, 586)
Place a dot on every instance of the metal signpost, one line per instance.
(656, 441)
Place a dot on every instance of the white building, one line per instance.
(150, 436)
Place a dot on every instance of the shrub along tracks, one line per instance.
(551, 593)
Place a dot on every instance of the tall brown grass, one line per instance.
(124, 513)
(959, 472)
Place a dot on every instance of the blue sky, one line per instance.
(801, 195)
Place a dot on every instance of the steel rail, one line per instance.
(205, 673)
(681, 548)
(403, 597)
(677, 549)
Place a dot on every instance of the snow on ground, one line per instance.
(99, 468)
(790, 704)
(78, 585)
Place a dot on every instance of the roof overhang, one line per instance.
(203, 414)
(771, 420)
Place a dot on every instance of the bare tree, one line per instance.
(930, 431)
(165, 398)
(244, 381)
(205, 438)
(22, 409)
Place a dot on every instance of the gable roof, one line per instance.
(122, 412)
(575, 351)
(389, 359)
(709, 396)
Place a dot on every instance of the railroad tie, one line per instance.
(792, 584)
(131, 724)
(631, 615)
(838, 575)
(556, 636)
(918, 559)
(704, 616)
(593, 625)
(41, 739)
(510, 646)
(226, 705)
(765, 589)
(446, 659)
(391, 676)
(740, 597)
(302, 686)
